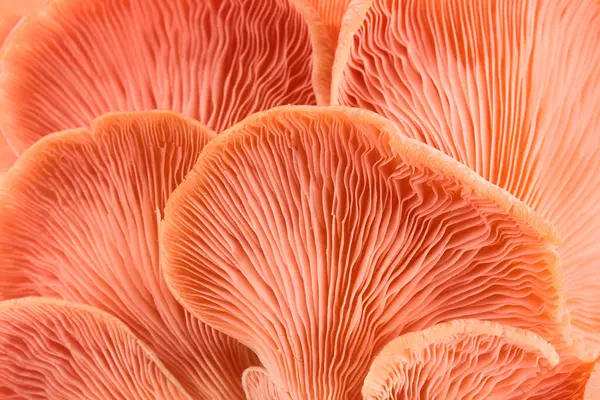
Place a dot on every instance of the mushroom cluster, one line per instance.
(300, 199)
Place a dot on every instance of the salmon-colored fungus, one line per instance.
(317, 235)
(461, 359)
(508, 88)
(214, 60)
(259, 386)
(52, 349)
(300, 199)
(79, 216)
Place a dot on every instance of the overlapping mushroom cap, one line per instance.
(462, 359)
(317, 235)
(354, 262)
(52, 349)
(509, 88)
(79, 215)
(214, 60)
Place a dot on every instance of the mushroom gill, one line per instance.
(316, 235)
(567, 380)
(509, 88)
(259, 386)
(331, 24)
(11, 12)
(214, 60)
(461, 359)
(79, 217)
(53, 349)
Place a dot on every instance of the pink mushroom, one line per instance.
(315, 236)
(79, 216)
(53, 349)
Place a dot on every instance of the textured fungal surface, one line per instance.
(259, 386)
(215, 60)
(330, 14)
(472, 78)
(461, 359)
(317, 235)
(53, 349)
(7, 155)
(568, 380)
(79, 220)
(331, 24)
(8, 20)
(10, 14)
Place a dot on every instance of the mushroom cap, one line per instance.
(317, 235)
(472, 79)
(54, 349)
(214, 60)
(79, 218)
(460, 359)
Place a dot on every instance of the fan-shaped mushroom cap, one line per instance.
(52, 349)
(79, 215)
(461, 359)
(316, 235)
(259, 386)
(472, 78)
(214, 60)
(11, 12)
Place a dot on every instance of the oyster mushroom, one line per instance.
(214, 60)
(473, 79)
(461, 359)
(79, 215)
(315, 236)
(53, 349)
